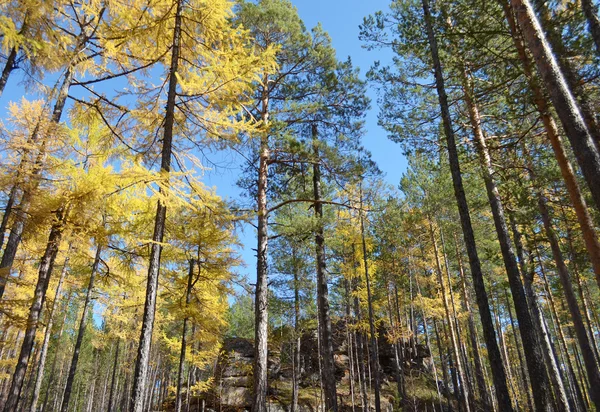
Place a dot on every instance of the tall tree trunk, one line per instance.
(479, 376)
(566, 106)
(188, 299)
(297, 337)
(7, 213)
(538, 321)
(589, 359)
(261, 298)
(113, 384)
(534, 356)
(145, 341)
(47, 334)
(560, 333)
(326, 340)
(39, 296)
(373, 332)
(589, 9)
(8, 68)
(581, 210)
(462, 389)
(16, 233)
(360, 344)
(81, 332)
(498, 372)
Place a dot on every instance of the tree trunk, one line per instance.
(589, 359)
(8, 68)
(479, 376)
(113, 384)
(328, 372)
(261, 309)
(48, 333)
(462, 390)
(16, 233)
(531, 346)
(581, 210)
(538, 322)
(44, 274)
(297, 338)
(81, 332)
(374, 345)
(188, 299)
(589, 9)
(360, 341)
(560, 333)
(565, 104)
(145, 341)
(7, 213)
(498, 372)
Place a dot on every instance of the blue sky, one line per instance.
(340, 18)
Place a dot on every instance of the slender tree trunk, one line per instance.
(7, 213)
(145, 341)
(462, 390)
(581, 210)
(565, 104)
(589, 359)
(81, 332)
(533, 354)
(16, 232)
(374, 345)
(560, 334)
(261, 310)
(589, 9)
(48, 333)
(297, 337)
(538, 322)
(8, 68)
(479, 376)
(188, 299)
(44, 274)
(498, 372)
(360, 341)
(326, 340)
(113, 384)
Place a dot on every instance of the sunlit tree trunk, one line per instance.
(39, 296)
(326, 339)
(566, 106)
(143, 353)
(498, 372)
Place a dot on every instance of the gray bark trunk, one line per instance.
(81, 332)
(44, 274)
(145, 341)
(566, 106)
(498, 372)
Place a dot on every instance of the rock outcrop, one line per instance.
(232, 390)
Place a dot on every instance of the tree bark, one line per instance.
(44, 274)
(81, 332)
(531, 346)
(589, 359)
(374, 345)
(326, 340)
(16, 233)
(113, 384)
(566, 106)
(479, 375)
(297, 337)
(581, 210)
(538, 322)
(188, 299)
(498, 372)
(261, 309)
(47, 334)
(464, 403)
(145, 341)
